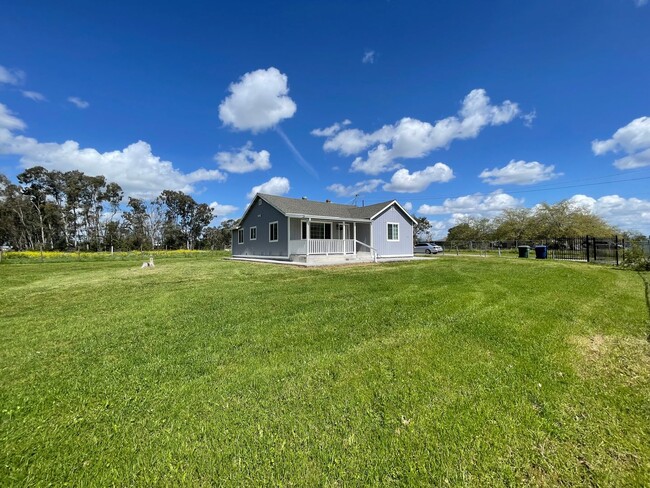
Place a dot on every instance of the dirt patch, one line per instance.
(624, 357)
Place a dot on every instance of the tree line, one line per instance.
(54, 210)
(562, 219)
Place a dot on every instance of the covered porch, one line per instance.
(317, 237)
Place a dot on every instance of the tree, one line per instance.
(185, 219)
(421, 230)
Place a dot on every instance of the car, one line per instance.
(427, 248)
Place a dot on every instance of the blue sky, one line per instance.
(452, 108)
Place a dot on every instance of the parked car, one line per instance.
(427, 248)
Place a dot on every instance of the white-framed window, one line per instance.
(273, 232)
(320, 230)
(393, 231)
(240, 236)
(253, 233)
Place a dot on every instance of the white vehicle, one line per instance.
(427, 248)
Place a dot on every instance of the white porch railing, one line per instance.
(321, 246)
(331, 246)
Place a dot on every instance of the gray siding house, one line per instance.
(304, 230)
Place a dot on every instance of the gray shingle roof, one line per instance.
(322, 209)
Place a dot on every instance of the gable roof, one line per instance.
(298, 207)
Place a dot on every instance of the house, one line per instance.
(303, 230)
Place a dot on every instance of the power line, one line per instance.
(546, 188)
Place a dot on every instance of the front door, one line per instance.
(339, 231)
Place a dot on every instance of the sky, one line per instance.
(453, 109)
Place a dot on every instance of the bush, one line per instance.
(635, 258)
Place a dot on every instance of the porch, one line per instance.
(309, 238)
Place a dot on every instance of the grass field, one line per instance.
(206, 372)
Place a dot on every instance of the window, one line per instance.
(240, 236)
(273, 232)
(303, 230)
(253, 234)
(320, 230)
(393, 232)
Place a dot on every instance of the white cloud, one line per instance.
(367, 186)
(244, 160)
(278, 185)
(412, 138)
(529, 118)
(405, 182)
(626, 213)
(519, 173)
(633, 139)
(331, 130)
(368, 57)
(478, 205)
(11, 76)
(258, 102)
(78, 102)
(32, 95)
(219, 210)
(8, 122)
(135, 168)
(408, 206)
(636, 160)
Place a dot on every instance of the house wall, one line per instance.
(384, 247)
(260, 216)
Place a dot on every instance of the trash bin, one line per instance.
(523, 251)
(540, 252)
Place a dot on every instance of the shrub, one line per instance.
(635, 258)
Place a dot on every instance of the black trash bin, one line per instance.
(523, 251)
(540, 252)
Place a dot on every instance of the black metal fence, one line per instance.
(606, 250)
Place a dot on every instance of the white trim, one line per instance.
(388, 224)
(325, 218)
(394, 202)
(240, 232)
(277, 231)
(250, 232)
(255, 256)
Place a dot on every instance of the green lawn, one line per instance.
(202, 371)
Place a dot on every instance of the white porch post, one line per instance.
(354, 244)
(308, 232)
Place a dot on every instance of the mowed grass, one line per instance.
(454, 370)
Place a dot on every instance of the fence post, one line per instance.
(595, 256)
(587, 239)
(616, 243)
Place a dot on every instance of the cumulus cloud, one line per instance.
(405, 182)
(243, 160)
(278, 185)
(135, 168)
(259, 101)
(626, 213)
(368, 57)
(367, 186)
(11, 76)
(413, 138)
(219, 210)
(32, 95)
(9, 122)
(408, 206)
(78, 102)
(331, 130)
(478, 205)
(633, 139)
(519, 173)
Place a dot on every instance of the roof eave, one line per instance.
(395, 202)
